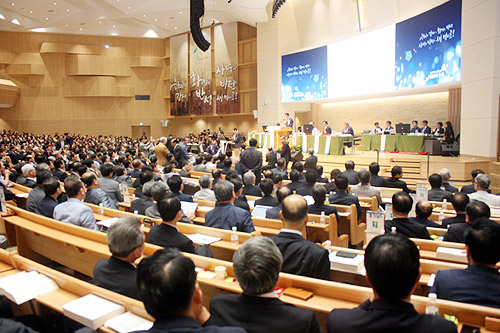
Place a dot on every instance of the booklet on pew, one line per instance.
(92, 311)
(450, 253)
(202, 239)
(25, 286)
(108, 222)
(189, 207)
(259, 211)
(351, 264)
(128, 322)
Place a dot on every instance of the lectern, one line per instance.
(276, 132)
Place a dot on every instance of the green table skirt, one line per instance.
(402, 143)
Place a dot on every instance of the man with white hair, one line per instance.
(481, 184)
(161, 151)
(205, 193)
(250, 188)
(29, 173)
(446, 175)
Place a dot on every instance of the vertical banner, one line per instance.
(226, 68)
(179, 75)
(327, 144)
(316, 144)
(304, 143)
(200, 78)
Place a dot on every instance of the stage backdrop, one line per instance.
(179, 75)
(200, 78)
(226, 68)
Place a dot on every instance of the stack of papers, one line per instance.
(25, 286)
(260, 211)
(448, 253)
(350, 265)
(202, 239)
(108, 222)
(92, 311)
(128, 322)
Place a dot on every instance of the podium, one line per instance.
(276, 132)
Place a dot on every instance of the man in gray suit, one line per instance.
(109, 185)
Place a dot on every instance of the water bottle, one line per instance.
(328, 246)
(445, 204)
(393, 230)
(327, 201)
(136, 212)
(432, 307)
(322, 218)
(101, 209)
(441, 217)
(234, 237)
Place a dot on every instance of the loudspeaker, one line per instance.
(450, 150)
(255, 114)
(197, 11)
(296, 156)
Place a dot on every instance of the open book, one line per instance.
(25, 286)
(128, 322)
(92, 311)
(202, 239)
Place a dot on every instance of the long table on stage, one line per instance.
(322, 144)
(401, 143)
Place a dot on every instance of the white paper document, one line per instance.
(25, 286)
(202, 239)
(92, 311)
(129, 322)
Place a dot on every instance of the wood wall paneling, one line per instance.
(83, 64)
(146, 62)
(9, 93)
(63, 48)
(25, 69)
(454, 108)
(7, 57)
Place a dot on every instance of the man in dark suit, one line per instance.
(479, 283)
(251, 160)
(137, 165)
(347, 129)
(459, 201)
(300, 256)
(414, 128)
(280, 168)
(285, 151)
(392, 265)
(271, 159)
(37, 193)
(470, 188)
(52, 189)
(267, 188)
(388, 127)
(423, 209)
(342, 197)
(144, 201)
(281, 194)
(311, 178)
(395, 181)
(321, 179)
(350, 173)
(166, 234)
(375, 179)
(250, 188)
(401, 206)
(327, 130)
(475, 210)
(425, 128)
(176, 186)
(311, 160)
(167, 285)
(295, 180)
(126, 244)
(288, 121)
(436, 193)
(257, 264)
(319, 196)
(240, 200)
(59, 170)
(225, 215)
(237, 141)
(109, 185)
(178, 153)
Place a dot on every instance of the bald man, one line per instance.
(300, 256)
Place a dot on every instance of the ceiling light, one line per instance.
(100, 22)
(180, 13)
(151, 34)
(114, 34)
(67, 25)
(129, 7)
(156, 20)
(2, 17)
(114, 26)
(12, 4)
(39, 30)
(144, 15)
(175, 28)
(67, 10)
(46, 18)
(106, 46)
(166, 23)
(15, 21)
(31, 12)
(55, 3)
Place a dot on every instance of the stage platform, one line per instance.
(416, 167)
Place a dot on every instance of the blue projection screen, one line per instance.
(304, 75)
(429, 47)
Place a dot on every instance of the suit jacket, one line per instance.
(135, 173)
(327, 130)
(425, 222)
(455, 233)
(289, 122)
(366, 190)
(184, 197)
(396, 183)
(271, 159)
(311, 162)
(205, 194)
(61, 175)
(116, 275)
(415, 130)
(184, 173)
(450, 188)
(97, 196)
(140, 205)
(474, 285)
(161, 152)
(487, 198)
(344, 198)
(305, 189)
(352, 176)
(237, 140)
(437, 194)
(112, 188)
(278, 171)
(468, 189)
(408, 228)
(261, 314)
(285, 152)
(267, 200)
(226, 215)
(377, 181)
(425, 130)
(124, 179)
(251, 189)
(34, 198)
(243, 204)
(302, 257)
(251, 159)
(178, 154)
(294, 186)
(168, 236)
(273, 213)
(178, 324)
(460, 218)
(317, 209)
(348, 130)
(46, 206)
(386, 316)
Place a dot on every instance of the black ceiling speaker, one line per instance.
(276, 6)
(197, 11)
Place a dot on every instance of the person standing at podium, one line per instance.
(236, 142)
(327, 130)
(288, 121)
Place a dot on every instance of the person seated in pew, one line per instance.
(277, 181)
(227, 166)
(401, 206)
(321, 179)
(240, 200)
(30, 323)
(299, 166)
(175, 184)
(126, 243)
(481, 185)
(186, 167)
(459, 201)
(37, 193)
(250, 188)
(167, 286)
(52, 190)
(137, 165)
(364, 189)
(160, 191)
(479, 283)
(205, 193)
(446, 175)
(423, 209)
(216, 175)
(470, 188)
(121, 177)
(436, 193)
(350, 173)
(257, 264)
(311, 178)
(144, 201)
(319, 196)
(395, 181)
(109, 185)
(199, 166)
(473, 211)
(311, 160)
(281, 194)
(168, 171)
(295, 180)
(74, 211)
(342, 197)
(330, 187)
(95, 195)
(28, 177)
(59, 170)
(271, 159)
(300, 256)
(267, 187)
(280, 168)
(393, 270)
(144, 177)
(226, 215)
(375, 179)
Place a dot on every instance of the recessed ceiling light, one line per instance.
(15, 21)
(114, 34)
(100, 22)
(67, 25)
(175, 28)
(156, 20)
(151, 34)
(46, 18)
(12, 4)
(114, 26)
(55, 3)
(166, 23)
(180, 13)
(67, 10)
(39, 30)
(144, 15)
(129, 7)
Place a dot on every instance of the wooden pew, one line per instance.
(356, 231)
